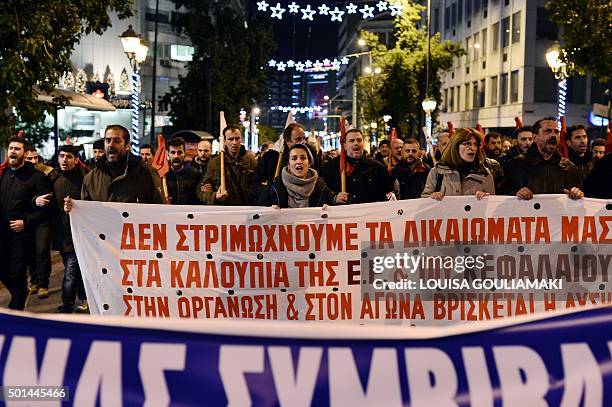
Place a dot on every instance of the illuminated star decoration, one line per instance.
(271, 63)
(336, 15)
(324, 10)
(308, 63)
(367, 11)
(336, 65)
(382, 5)
(281, 66)
(290, 63)
(307, 13)
(318, 64)
(262, 5)
(396, 10)
(326, 61)
(294, 8)
(344, 61)
(277, 11)
(351, 9)
(299, 67)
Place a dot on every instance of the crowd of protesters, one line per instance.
(35, 199)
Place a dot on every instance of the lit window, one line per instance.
(181, 52)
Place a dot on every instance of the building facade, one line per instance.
(504, 73)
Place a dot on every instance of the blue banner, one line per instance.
(562, 359)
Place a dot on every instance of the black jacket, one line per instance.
(201, 166)
(369, 181)
(321, 195)
(266, 169)
(509, 155)
(18, 189)
(411, 180)
(584, 164)
(540, 176)
(67, 184)
(138, 182)
(598, 183)
(183, 186)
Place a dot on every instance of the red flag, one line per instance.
(519, 122)
(160, 162)
(609, 142)
(21, 133)
(2, 167)
(481, 131)
(451, 129)
(562, 143)
(392, 137)
(342, 140)
(68, 141)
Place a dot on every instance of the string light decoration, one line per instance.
(336, 14)
(297, 109)
(317, 65)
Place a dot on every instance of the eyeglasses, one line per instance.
(468, 144)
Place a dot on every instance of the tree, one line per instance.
(399, 89)
(37, 40)
(225, 73)
(587, 35)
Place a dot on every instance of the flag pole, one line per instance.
(342, 155)
(222, 126)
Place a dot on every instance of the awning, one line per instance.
(77, 100)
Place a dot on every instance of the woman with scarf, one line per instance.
(461, 170)
(299, 186)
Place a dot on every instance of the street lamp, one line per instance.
(429, 105)
(136, 51)
(559, 69)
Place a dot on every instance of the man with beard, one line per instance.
(147, 153)
(120, 176)
(410, 173)
(395, 153)
(493, 145)
(367, 180)
(524, 139)
(579, 153)
(266, 168)
(20, 184)
(542, 170)
(239, 168)
(39, 263)
(182, 180)
(201, 160)
(98, 152)
(599, 148)
(68, 183)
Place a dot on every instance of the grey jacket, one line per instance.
(481, 180)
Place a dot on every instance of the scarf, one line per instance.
(298, 189)
(351, 163)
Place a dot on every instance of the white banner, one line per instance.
(320, 264)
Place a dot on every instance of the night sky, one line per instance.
(313, 39)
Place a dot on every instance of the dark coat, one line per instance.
(541, 176)
(66, 184)
(266, 169)
(17, 192)
(411, 180)
(201, 166)
(584, 164)
(598, 183)
(139, 182)
(321, 195)
(369, 181)
(183, 186)
(509, 155)
(238, 174)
